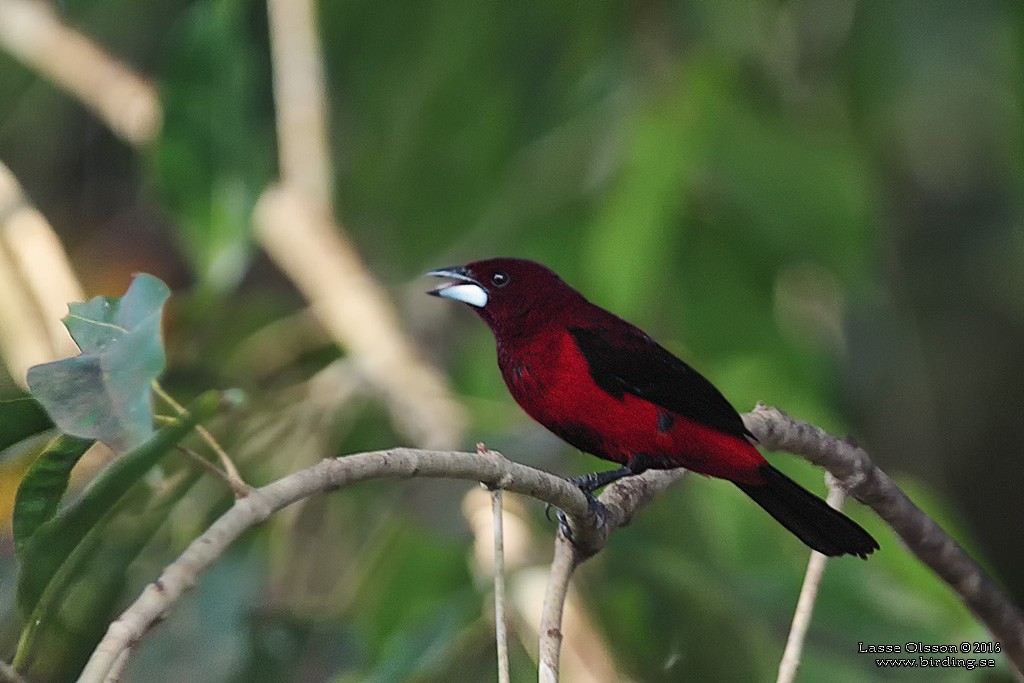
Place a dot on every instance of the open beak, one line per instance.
(463, 287)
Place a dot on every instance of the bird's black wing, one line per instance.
(625, 360)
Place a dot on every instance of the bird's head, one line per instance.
(511, 295)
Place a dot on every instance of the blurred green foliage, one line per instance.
(816, 203)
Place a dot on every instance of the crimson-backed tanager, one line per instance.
(609, 389)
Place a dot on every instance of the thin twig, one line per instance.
(500, 619)
(500, 623)
(859, 476)
(230, 473)
(805, 603)
(204, 463)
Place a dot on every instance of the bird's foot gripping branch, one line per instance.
(596, 519)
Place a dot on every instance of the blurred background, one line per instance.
(817, 203)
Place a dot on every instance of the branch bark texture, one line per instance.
(856, 473)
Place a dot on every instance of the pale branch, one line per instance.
(296, 225)
(327, 475)
(563, 564)
(622, 501)
(117, 670)
(790, 661)
(859, 476)
(36, 282)
(500, 619)
(33, 33)
(313, 251)
(300, 100)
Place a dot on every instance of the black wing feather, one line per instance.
(640, 366)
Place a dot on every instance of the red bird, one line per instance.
(608, 389)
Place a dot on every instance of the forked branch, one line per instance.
(850, 466)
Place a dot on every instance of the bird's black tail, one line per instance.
(808, 517)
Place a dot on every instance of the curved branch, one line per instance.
(855, 472)
(850, 466)
(328, 475)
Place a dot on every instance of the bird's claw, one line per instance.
(563, 525)
(563, 519)
(586, 483)
(547, 511)
(594, 508)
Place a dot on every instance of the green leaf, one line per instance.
(74, 610)
(21, 418)
(48, 548)
(43, 486)
(104, 393)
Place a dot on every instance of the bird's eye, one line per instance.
(499, 279)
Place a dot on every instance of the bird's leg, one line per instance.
(636, 464)
(588, 483)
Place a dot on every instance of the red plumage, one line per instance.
(550, 378)
(607, 388)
